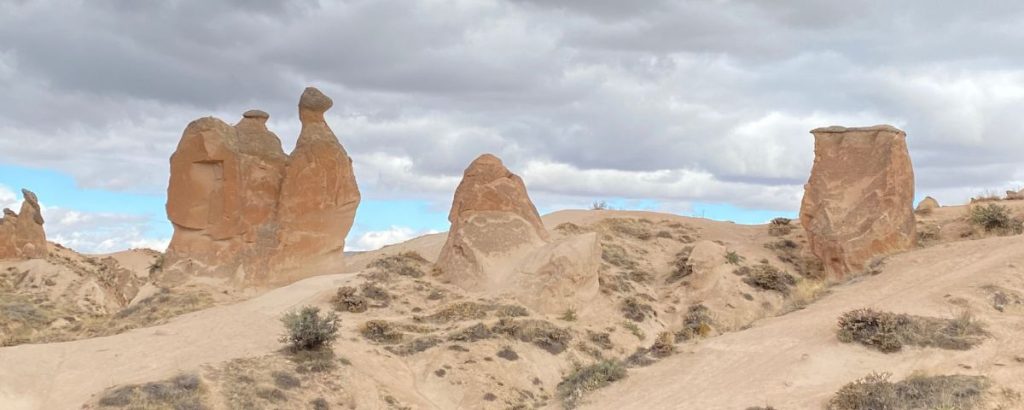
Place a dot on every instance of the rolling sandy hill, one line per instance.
(757, 354)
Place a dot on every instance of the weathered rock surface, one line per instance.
(21, 234)
(926, 204)
(858, 202)
(244, 210)
(1015, 195)
(498, 244)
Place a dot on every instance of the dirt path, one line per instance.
(65, 375)
(795, 362)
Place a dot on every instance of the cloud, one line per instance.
(672, 101)
(373, 240)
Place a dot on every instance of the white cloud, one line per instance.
(373, 240)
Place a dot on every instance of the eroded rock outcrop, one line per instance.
(926, 204)
(21, 234)
(498, 244)
(244, 210)
(858, 202)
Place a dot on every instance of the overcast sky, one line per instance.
(694, 107)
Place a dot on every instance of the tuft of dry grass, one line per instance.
(408, 263)
(633, 309)
(347, 300)
(768, 277)
(889, 332)
(698, 322)
(780, 227)
(381, 331)
(184, 391)
(681, 266)
(583, 380)
(540, 333)
(875, 391)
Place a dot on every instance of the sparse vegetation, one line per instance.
(994, 218)
(307, 330)
(381, 331)
(583, 380)
(682, 267)
(733, 258)
(404, 264)
(180, 392)
(569, 315)
(570, 228)
(635, 310)
(542, 334)
(768, 277)
(635, 330)
(347, 300)
(631, 228)
(417, 345)
(875, 391)
(616, 255)
(697, 323)
(780, 227)
(664, 345)
(507, 353)
(889, 332)
(599, 206)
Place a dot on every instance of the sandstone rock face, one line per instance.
(243, 210)
(858, 202)
(21, 234)
(926, 204)
(498, 244)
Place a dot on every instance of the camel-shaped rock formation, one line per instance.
(245, 211)
(21, 234)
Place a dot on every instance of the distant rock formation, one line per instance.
(21, 234)
(858, 202)
(926, 204)
(243, 210)
(498, 243)
(1015, 195)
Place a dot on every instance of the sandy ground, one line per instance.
(795, 362)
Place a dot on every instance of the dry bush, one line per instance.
(698, 322)
(635, 330)
(457, 312)
(681, 267)
(629, 227)
(347, 300)
(180, 392)
(601, 339)
(408, 263)
(994, 218)
(928, 233)
(507, 353)
(417, 345)
(616, 255)
(569, 228)
(806, 292)
(569, 315)
(473, 333)
(875, 391)
(635, 310)
(664, 345)
(768, 277)
(583, 380)
(889, 332)
(733, 258)
(542, 334)
(780, 227)
(307, 330)
(381, 331)
(375, 292)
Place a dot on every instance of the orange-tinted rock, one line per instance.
(243, 210)
(926, 204)
(858, 202)
(21, 234)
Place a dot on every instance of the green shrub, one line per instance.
(733, 258)
(994, 218)
(307, 330)
(587, 379)
(569, 315)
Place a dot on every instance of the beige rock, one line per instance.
(1015, 195)
(245, 211)
(707, 258)
(927, 203)
(858, 202)
(21, 234)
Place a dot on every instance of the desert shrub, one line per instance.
(639, 358)
(381, 331)
(319, 403)
(404, 264)
(635, 310)
(569, 315)
(601, 339)
(542, 334)
(805, 292)
(375, 292)
(616, 255)
(157, 265)
(180, 392)
(733, 258)
(698, 322)
(780, 227)
(994, 218)
(507, 353)
(457, 312)
(313, 361)
(417, 345)
(635, 330)
(473, 333)
(346, 300)
(875, 391)
(583, 380)
(307, 330)
(599, 205)
(664, 345)
(889, 332)
(634, 228)
(511, 311)
(768, 277)
(681, 266)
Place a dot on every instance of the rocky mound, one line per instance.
(245, 211)
(858, 202)
(21, 234)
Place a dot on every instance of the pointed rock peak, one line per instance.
(30, 197)
(313, 104)
(489, 165)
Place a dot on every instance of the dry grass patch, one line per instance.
(180, 392)
(698, 322)
(381, 331)
(542, 334)
(768, 277)
(403, 264)
(875, 391)
(780, 227)
(348, 300)
(583, 380)
(889, 332)
(633, 309)
(681, 266)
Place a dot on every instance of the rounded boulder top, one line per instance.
(259, 114)
(314, 100)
